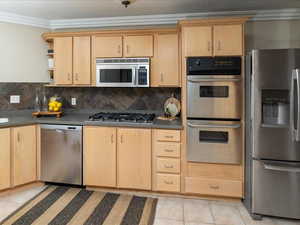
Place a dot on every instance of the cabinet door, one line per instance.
(165, 61)
(100, 156)
(197, 41)
(5, 158)
(63, 66)
(228, 40)
(24, 155)
(107, 46)
(138, 46)
(134, 158)
(82, 60)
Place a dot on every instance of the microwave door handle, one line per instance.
(194, 80)
(228, 126)
(134, 77)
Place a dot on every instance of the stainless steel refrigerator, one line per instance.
(273, 133)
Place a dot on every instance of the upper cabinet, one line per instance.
(72, 60)
(198, 41)
(228, 40)
(138, 46)
(63, 73)
(213, 40)
(107, 46)
(166, 53)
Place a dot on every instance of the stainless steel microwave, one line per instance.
(122, 72)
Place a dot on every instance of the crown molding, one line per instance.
(166, 19)
(24, 20)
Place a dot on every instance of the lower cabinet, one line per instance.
(100, 156)
(5, 159)
(134, 158)
(24, 155)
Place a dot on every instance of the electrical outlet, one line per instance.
(15, 99)
(73, 101)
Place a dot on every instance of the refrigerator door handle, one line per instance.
(281, 168)
(295, 77)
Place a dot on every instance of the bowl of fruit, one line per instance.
(55, 104)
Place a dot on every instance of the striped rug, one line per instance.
(73, 206)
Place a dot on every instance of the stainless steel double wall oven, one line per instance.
(214, 109)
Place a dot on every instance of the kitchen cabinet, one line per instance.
(81, 60)
(72, 64)
(138, 46)
(166, 169)
(134, 158)
(100, 156)
(5, 159)
(165, 69)
(63, 67)
(198, 41)
(107, 46)
(24, 155)
(214, 40)
(228, 40)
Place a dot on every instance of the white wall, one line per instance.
(22, 54)
(272, 34)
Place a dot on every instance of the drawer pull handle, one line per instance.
(169, 150)
(169, 167)
(214, 187)
(168, 182)
(168, 136)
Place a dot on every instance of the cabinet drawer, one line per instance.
(167, 135)
(168, 182)
(167, 149)
(166, 165)
(217, 187)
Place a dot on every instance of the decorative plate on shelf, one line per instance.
(171, 108)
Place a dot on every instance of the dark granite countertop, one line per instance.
(22, 117)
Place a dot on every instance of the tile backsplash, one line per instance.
(88, 97)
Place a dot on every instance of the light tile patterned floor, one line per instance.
(171, 211)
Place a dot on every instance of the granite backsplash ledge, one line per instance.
(88, 97)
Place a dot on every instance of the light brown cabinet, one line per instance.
(214, 40)
(72, 64)
(100, 156)
(134, 158)
(63, 71)
(107, 46)
(138, 46)
(24, 151)
(165, 63)
(198, 41)
(5, 159)
(228, 40)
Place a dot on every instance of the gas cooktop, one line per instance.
(123, 117)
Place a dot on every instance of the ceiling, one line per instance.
(71, 9)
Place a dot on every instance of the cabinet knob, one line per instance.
(161, 77)
(169, 150)
(121, 138)
(119, 49)
(112, 138)
(127, 48)
(18, 137)
(69, 76)
(169, 166)
(76, 76)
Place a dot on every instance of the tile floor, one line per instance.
(171, 211)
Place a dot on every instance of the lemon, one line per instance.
(50, 108)
(56, 109)
(59, 104)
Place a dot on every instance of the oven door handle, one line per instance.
(229, 126)
(193, 80)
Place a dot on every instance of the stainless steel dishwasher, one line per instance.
(61, 154)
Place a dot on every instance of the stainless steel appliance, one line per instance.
(272, 133)
(214, 141)
(61, 154)
(123, 72)
(123, 117)
(214, 110)
(213, 87)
